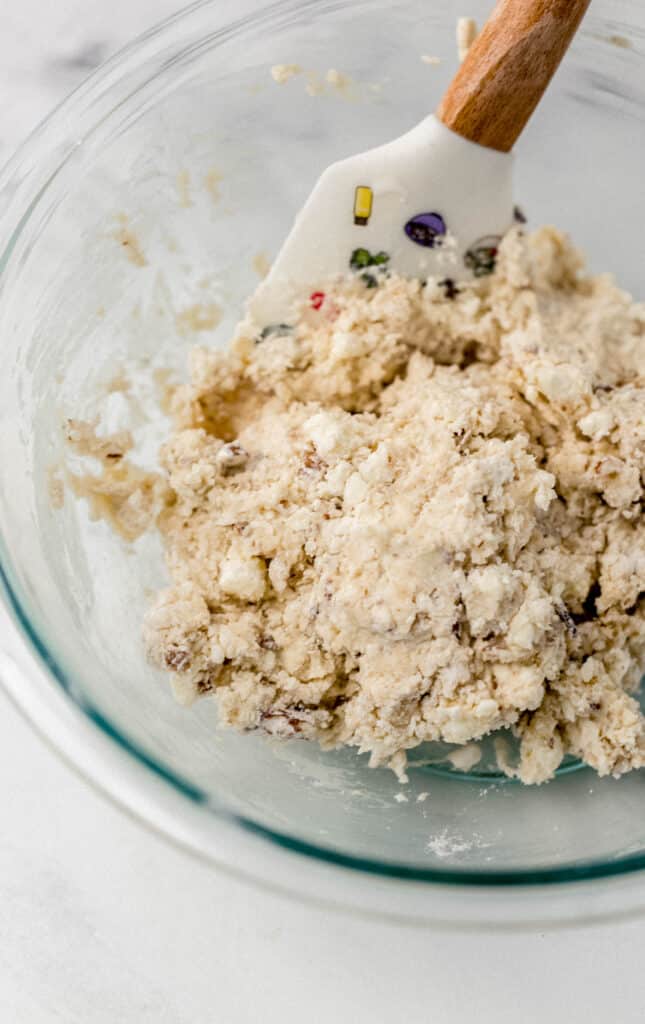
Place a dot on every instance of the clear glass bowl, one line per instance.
(157, 186)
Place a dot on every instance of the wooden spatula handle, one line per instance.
(507, 69)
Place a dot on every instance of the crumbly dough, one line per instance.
(418, 516)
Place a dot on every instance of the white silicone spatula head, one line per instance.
(437, 200)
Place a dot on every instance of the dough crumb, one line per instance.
(119, 382)
(183, 189)
(82, 437)
(212, 183)
(198, 317)
(622, 42)
(429, 59)
(165, 386)
(339, 81)
(465, 758)
(282, 73)
(466, 35)
(261, 264)
(314, 85)
(129, 243)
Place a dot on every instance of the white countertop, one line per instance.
(103, 923)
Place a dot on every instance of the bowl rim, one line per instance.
(116, 68)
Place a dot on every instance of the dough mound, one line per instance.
(418, 516)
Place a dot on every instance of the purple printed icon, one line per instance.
(426, 229)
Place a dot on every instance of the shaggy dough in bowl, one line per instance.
(417, 515)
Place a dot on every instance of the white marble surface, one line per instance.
(102, 923)
(46, 49)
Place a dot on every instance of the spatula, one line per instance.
(438, 199)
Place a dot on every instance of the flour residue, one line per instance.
(450, 844)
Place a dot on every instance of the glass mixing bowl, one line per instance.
(161, 184)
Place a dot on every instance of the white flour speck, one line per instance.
(448, 844)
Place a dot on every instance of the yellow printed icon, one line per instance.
(363, 199)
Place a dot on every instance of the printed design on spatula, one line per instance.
(369, 266)
(427, 229)
(363, 202)
(481, 257)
